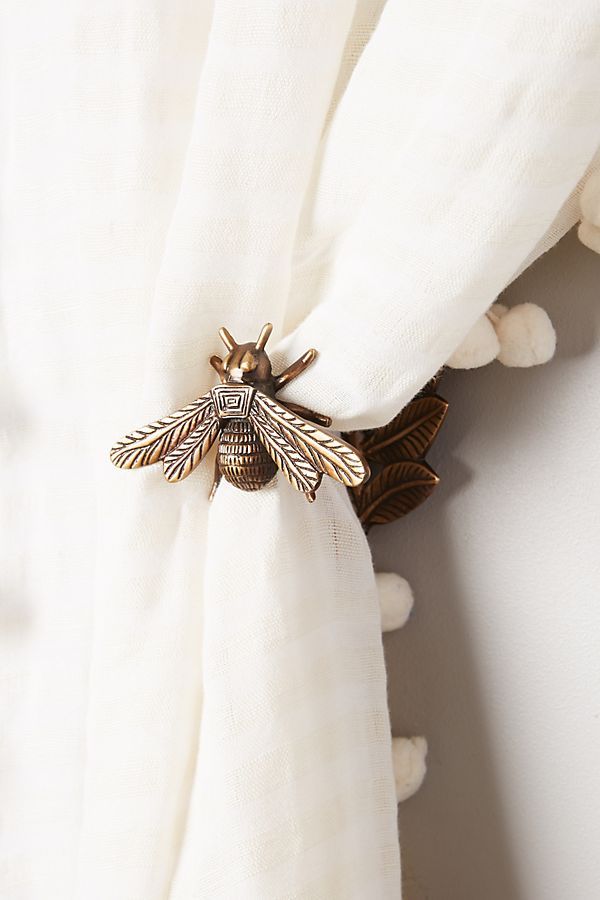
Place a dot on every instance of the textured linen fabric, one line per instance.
(194, 698)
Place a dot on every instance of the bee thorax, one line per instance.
(243, 461)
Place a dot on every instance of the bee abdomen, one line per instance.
(243, 461)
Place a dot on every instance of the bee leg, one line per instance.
(217, 364)
(311, 496)
(310, 414)
(295, 369)
(216, 480)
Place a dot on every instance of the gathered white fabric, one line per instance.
(194, 698)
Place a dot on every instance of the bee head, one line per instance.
(248, 363)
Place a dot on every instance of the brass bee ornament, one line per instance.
(257, 434)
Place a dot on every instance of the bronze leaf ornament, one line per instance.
(401, 479)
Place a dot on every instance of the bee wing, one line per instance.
(298, 470)
(184, 458)
(289, 435)
(152, 443)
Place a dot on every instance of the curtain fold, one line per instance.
(227, 259)
(293, 794)
(443, 201)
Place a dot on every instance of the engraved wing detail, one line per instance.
(181, 462)
(153, 442)
(298, 447)
(301, 473)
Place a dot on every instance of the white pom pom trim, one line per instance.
(408, 758)
(495, 312)
(589, 200)
(589, 235)
(478, 348)
(395, 600)
(526, 335)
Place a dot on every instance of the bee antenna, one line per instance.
(264, 336)
(229, 341)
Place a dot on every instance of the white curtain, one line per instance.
(194, 697)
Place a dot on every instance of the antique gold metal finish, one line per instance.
(258, 435)
(401, 479)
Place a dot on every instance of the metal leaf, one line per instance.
(433, 383)
(410, 434)
(394, 492)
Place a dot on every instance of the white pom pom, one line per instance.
(395, 600)
(408, 758)
(496, 311)
(526, 335)
(589, 235)
(478, 348)
(590, 200)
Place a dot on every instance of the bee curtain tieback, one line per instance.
(258, 435)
